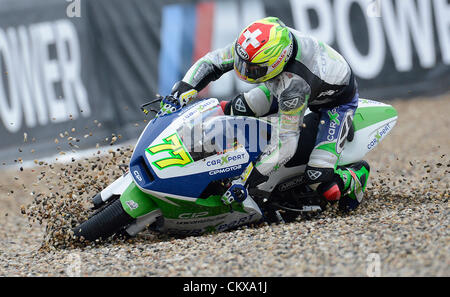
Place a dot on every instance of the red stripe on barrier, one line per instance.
(203, 33)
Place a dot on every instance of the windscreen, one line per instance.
(209, 133)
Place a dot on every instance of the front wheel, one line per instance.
(105, 223)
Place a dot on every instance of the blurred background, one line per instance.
(83, 67)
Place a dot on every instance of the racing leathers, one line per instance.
(317, 77)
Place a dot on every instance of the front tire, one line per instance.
(105, 223)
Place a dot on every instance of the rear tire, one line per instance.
(105, 223)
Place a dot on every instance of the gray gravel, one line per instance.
(403, 221)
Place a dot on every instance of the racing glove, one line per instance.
(182, 94)
(251, 178)
(237, 192)
(168, 105)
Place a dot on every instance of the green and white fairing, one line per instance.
(185, 215)
(372, 122)
(193, 216)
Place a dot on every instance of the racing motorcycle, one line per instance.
(183, 163)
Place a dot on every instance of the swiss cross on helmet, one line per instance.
(262, 50)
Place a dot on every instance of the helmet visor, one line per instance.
(250, 70)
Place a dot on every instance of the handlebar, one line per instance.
(145, 110)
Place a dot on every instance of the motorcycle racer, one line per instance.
(294, 71)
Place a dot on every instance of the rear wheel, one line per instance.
(110, 220)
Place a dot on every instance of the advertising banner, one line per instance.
(83, 67)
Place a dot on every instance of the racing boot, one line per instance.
(348, 186)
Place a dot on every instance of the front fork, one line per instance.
(114, 189)
(136, 203)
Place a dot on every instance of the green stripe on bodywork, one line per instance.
(146, 203)
(134, 196)
(366, 116)
(212, 205)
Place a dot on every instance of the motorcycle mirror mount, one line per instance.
(144, 106)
